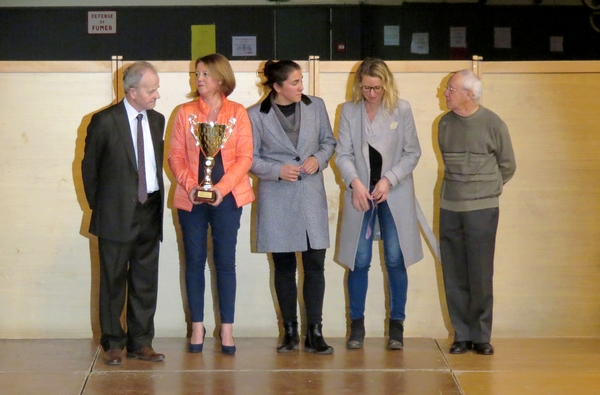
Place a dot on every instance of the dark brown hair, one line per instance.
(278, 72)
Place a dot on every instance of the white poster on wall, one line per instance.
(556, 44)
(102, 22)
(243, 45)
(458, 37)
(391, 35)
(420, 43)
(502, 37)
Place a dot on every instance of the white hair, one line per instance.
(471, 83)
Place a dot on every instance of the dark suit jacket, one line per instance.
(109, 170)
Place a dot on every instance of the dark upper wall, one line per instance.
(531, 26)
(163, 33)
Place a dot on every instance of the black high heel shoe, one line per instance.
(227, 350)
(196, 348)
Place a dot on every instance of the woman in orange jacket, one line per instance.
(220, 204)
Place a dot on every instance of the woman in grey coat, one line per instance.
(293, 143)
(377, 151)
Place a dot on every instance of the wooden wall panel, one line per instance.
(547, 254)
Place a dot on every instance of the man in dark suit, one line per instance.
(122, 177)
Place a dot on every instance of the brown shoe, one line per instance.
(112, 356)
(146, 353)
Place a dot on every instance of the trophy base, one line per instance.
(205, 196)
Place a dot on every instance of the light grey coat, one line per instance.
(394, 136)
(289, 211)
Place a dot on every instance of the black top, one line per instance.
(288, 110)
(375, 161)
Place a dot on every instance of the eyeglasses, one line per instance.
(376, 89)
(451, 89)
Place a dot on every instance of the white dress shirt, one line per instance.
(149, 158)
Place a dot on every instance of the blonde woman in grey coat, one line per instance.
(377, 151)
(293, 143)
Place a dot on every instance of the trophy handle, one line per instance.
(193, 119)
(230, 125)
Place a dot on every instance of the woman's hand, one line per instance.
(381, 190)
(193, 194)
(219, 197)
(289, 173)
(310, 165)
(360, 195)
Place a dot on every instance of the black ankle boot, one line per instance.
(290, 337)
(396, 341)
(357, 334)
(315, 342)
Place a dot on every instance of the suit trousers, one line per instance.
(313, 291)
(129, 269)
(467, 244)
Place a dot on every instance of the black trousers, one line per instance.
(129, 270)
(313, 262)
(467, 244)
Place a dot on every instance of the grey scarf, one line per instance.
(291, 124)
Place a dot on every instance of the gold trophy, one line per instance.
(211, 137)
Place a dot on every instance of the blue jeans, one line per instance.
(358, 279)
(224, 221)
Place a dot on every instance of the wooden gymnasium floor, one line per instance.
(424, 367)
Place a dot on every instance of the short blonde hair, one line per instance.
(375, 67)
(220, 70)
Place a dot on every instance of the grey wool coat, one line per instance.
(394, 136)
(289, 211)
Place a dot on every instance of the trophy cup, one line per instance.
(211, 137)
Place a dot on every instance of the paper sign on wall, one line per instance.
(556, 44)
(243, 45)
(420, 43)
(102, 22)
(204, 40)
(502, 37)
(458, 37)
(391, 35)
